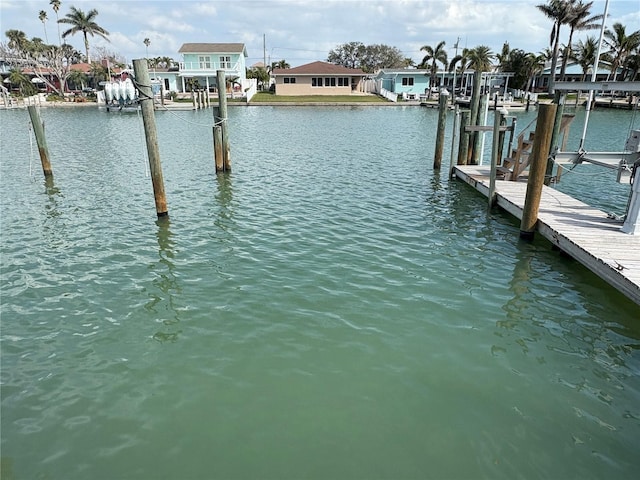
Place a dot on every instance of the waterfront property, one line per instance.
(201, 61)
(410, 83)
(318, 78)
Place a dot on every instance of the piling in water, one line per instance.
(38, 129)
(222, 105)
(463, 146)
(442, 122)
(143, 83)
(537, 169)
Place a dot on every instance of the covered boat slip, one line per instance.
(587, 234)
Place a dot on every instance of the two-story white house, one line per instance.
(201, 61)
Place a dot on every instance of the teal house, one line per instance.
(406, 82)
(201, 61)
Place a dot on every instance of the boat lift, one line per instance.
(626, 163)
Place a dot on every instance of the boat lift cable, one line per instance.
(143, 145)
(30, 129)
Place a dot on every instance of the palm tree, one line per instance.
(16, 77)
(147, 42)
(282, 64)
(84, 23)
(433, 55)
(78, 78)
(18, 41)
(463, 59)
(55, 4)
(560, 12)
(584, 54)
(480, 59)
(42, 16)
(620, 45)
(581, 19)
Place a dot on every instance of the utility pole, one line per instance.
(264, 50)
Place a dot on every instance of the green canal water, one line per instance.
(332, 309)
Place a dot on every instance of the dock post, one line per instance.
(38, 129)
(559, 100)
(463, 146)
(478, 137)
(143, 83)
(442, 123)
(631, 224)
(537, 169)
(217, 148)
(496, 148)
(475, 107)
(456, 120)
(222, 106)
(193, 98)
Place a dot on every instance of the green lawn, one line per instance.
(269, 97)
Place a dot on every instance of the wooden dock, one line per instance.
(584, 232)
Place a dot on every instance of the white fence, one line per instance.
(389, 95)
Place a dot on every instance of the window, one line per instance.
(316, 81)
(204, 61)
(330, 82)
(343, 82)
(289, 80)
(407, 81)
(225, 62)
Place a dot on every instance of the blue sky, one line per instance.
(301, 31)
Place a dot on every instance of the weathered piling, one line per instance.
(38, 129)
(559, 100)
(222, 106)
(463, 146)
(473, 119)
(495, 154)
(442, 122)
(217, 148)
(143, 83)
(456, 121)
(478, 136)
(537, 169)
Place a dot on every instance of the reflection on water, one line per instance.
(163, 299)
(313, 305)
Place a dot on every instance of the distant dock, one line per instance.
(585, 233)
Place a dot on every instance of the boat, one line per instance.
(118, 95)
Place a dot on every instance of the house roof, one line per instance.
(318, 68)
(404, 71)
(213, 48)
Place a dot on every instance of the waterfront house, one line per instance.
(201, 61)
(318, 78)
(410, 83)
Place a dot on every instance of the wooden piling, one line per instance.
(495, 156)
(38, 129)
(222, 105)
(537, 169)
(463, 146)
(442, 122)
(143, 83)
(217, 148)
(456, 121)
(475, 106)
(559, 100)
(478, 137)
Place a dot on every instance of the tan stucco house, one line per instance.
(317, 78)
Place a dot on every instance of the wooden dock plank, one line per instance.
(584, 232)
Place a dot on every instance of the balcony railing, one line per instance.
(200, 67)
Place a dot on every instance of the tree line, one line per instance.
(621, 52)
